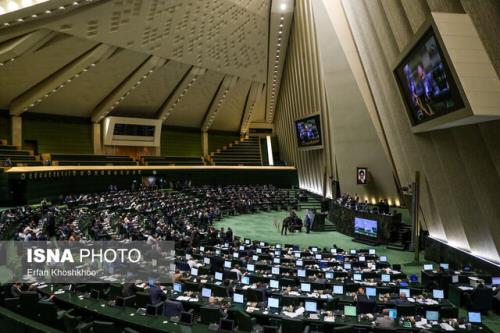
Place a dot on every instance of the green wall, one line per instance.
(218, 140)
(5, 127)
(59, 134)
(175, 142)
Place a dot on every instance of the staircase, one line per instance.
(314, 202)
(17, 157)
(246, 151)
(398, 244)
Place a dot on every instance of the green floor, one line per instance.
(261, 226)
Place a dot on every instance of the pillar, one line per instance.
(204, 143)
(17, 131)
(97, 138)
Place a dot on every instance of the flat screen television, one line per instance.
(366, 227)
(308, 131)
(426, 83)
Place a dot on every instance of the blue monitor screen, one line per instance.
(245, 280)
(338, 290)
(311, 306)
(206, 292)
(306, 287)
(495, 280)
(393, 313)
(366, 227)
(273, 303)
(301, 273)
(386, 278)
(371, 292)
(437, 293)
(432, 315)
(178, 287)
(275, 284)
(329, 275)
(406, 292)
(238, 298)
(474, 317)
(218, 276)
(309, 131)
(250, 267)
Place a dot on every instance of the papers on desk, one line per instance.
(330, 319)
(194, 299)
(183, 298)
(465, 288)
(42, 286)
(251, 309)
(446, 327)
(290, 314)
(314, 316)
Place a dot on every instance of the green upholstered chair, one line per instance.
(142, 299)
(73, 324)
(210, 314)
(104, 327)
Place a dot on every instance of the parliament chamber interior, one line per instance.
(264, 166)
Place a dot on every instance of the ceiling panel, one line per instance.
(229, 116)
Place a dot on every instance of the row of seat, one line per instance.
(246, 152)
(11, 156)
(172, 160)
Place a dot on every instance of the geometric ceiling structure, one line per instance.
(192, 63)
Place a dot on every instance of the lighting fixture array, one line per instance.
(60, 86)
(14, 5)
(247, 119)
(274, 84)
(217, 109)
(181, 95)
(129, 91)
(7, 61)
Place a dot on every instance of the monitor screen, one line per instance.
(455, 279)
(255, 258)
(275, 270)
(278, 246)
(238, 298)
(250, 267)
(444, 266)
(306, 287)
(259, 251)
(299, 263)
(206, 292)
(386, 278)
(383, 258)
(362, 259)
(277, 253)
(393, 313)
(474, 317)
(350, 310)
(366, 227)
(245, 280)
(371, 252)
(308, 131)
(276, 260)
(194, 271)
(311, 306)
(333, 251)
(428, 267)
(338, 290)
(188, 256)
(301, 273)
(227, 264)
(495, 280)
(247, 241)
(438, 294)
(329, 275)
(202, 249)
(218, 276)
(206, 261)
(273, 302)
(432, 315)
(217, 252)
(318, 256)
(426, 83)
(405, 292)
(357, 277)
(178, 287)
(242, 247)
(297, 254)
(371, 292)
(236, 255)
(347, 266)
(275, 284)
(353, 252)
(314, 249)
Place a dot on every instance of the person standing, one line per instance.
(284, 227)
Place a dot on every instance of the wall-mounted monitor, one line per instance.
(123, 131)
(366, 227)
(309, 133)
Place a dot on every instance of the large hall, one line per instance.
(262, 166)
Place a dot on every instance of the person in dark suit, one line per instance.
(286, 223)
(156, 294)
(172, 308)
(15, 290)
(361, 295)
(128, 289)
(216, 264)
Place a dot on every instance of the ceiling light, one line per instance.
(283, 6)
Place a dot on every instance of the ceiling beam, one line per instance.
(59, 79)
(255, 92)
(180, 91)
(227, 84)
(124, 89)
(18, 46)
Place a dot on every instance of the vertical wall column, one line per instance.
(97, 138)
(17, 131)
(204, 143)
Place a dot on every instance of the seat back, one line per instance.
(104, 327)
(244, 321)
(47, 312)
(210, 315)
(70, 322)
(292, 326)
(142, 299)
(28, 301)
(269, 329)
(406, 310)
(290, 300)
(219, 291)
(173, 308)
(11, 303)
(366, 307)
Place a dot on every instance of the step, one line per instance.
(395, 246)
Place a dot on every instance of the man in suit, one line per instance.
(15, 290)
(286, 224)
(172, 308)
(385, 321)
(156, 294)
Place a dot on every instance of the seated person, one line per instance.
(384, 321)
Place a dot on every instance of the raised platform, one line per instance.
(21, 185)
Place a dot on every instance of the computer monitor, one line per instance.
(405, 292)
(352, 252)
(277, 253)
(206, 292)
(206, 261)
(301, 273)
(306, 287)
(428, 267)
(350, 310)
(347, 266)
(386, 278)
(238, 298)
(262, 244)
(275, 271)
(474, 317)
(178, 287)
(329, 275)
(219, 276)
(314, 249)
(455, 279)
(217, 252)
(226, 325)
(194, 271)
(362, 259)
(297, 254)
(371, 292)
(338, 290)
(236, 255)
(245, 280)
(275, 284)
(438, 293)
(242, 247)
(299, 263)
(255, 257)
(371, 251)
(311, 306)
(333, 251)
(273, 302)
(226, 244)
(393, 313)
(277, 261)
(259, 250)
(202, 249)
(495, 280)
(251, 267)
(278, 246)
(403, 284)
(318, 256)
(383, 258)
(188, 256)
(227, 264)
(444, 266)
(247, 241)
(432, 315)
(357, 277)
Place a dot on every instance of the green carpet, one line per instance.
(261, 226)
